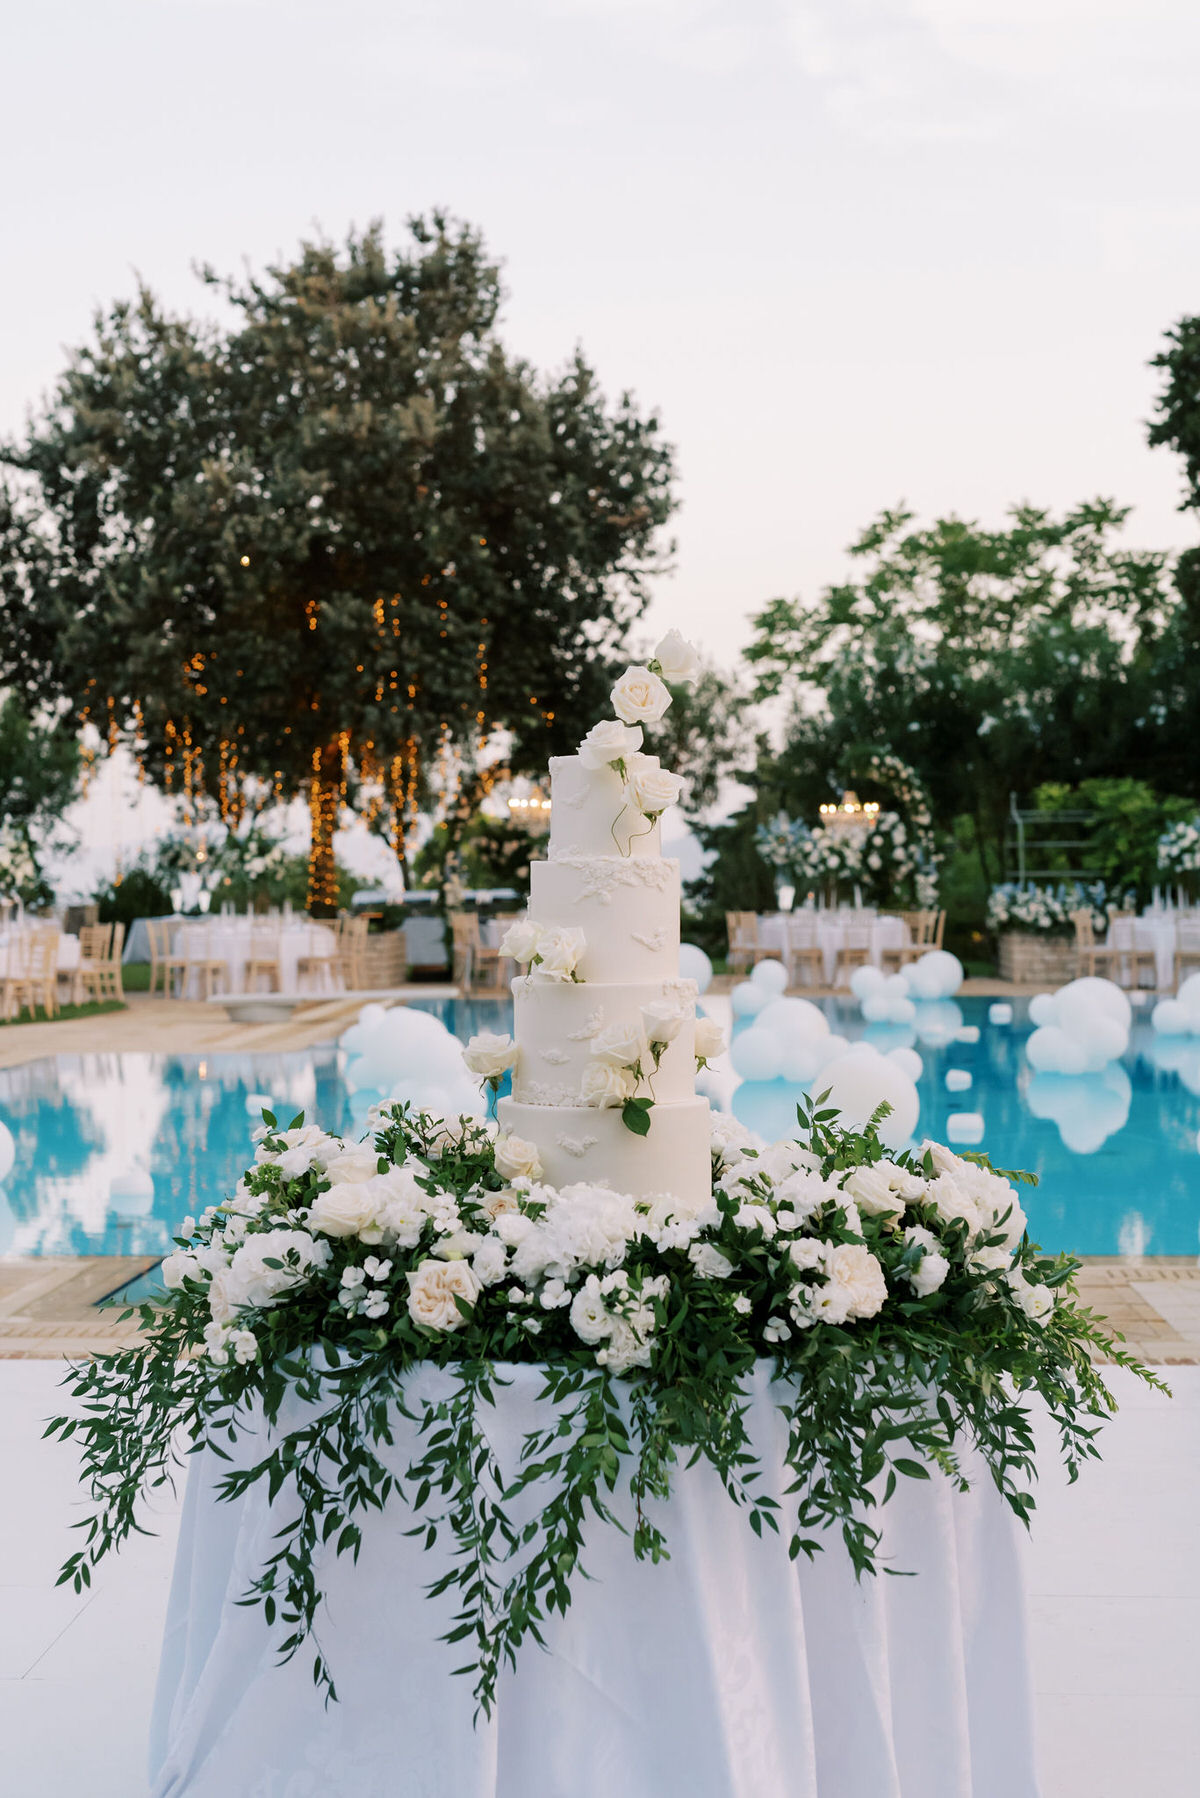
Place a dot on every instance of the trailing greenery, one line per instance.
(904, 1311)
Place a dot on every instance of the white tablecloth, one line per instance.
(68, 950)
(726, 1672)
(230, 940)
(835, 933)
(1157, 934)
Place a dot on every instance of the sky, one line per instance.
(852, 252)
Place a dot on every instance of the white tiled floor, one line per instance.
(1113, 1571)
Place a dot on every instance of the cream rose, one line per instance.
(664, 1019)
(356, 1163)
(490, 1056)
(517, 1159)
(353, 1208)
(710, 1039)
(520, 940)
(678, 660)
(433, 1289)
(856, 1278)
(871, 1190)
(558, 952)
(609, 741)
(621, 1045)
(639, 697)
(604, 1085)
(651, 788)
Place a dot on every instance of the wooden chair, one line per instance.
(264, 959)
(503, 966)
(101, 973)
(31, 979)
(317, 964)
(1187, 946)
(803, 950)
(163, 959)
(471, 954)
(210, 971)
(854, 951)
(925, 930)
(745, 950)
(1107, 955)
(351, 936)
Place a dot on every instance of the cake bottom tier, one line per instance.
(580, 1143)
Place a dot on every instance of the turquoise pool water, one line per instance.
(112, 1151)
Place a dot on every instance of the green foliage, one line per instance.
(490, 852)
(39, 767)
(1177, 424)
(142, 892)
(994, 660)
(342, 522)
(704, 736)
(735, 878)
(1124, 819)
(869, 1397)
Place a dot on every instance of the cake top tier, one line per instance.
(608, 810)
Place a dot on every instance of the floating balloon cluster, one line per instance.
(889, 998)
(1179, 1016)
(1080, 1028)
(407, 1054)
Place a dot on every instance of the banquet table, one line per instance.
(726, 1671)
(835, 931)
(1155, 932)
(230, 939)
(67, 949)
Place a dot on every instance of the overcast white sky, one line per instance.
(854, 251)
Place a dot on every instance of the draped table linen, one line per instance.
(725, 1672)
(834, 933)
(1156, 933)
(67, 949)
(231, 940)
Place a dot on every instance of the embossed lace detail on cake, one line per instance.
(555, 1057)
(577, 1146)
(683, 990)
(537, 1092)
(593, 1023)
(654, 940)
(601, 875)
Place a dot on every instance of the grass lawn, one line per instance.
(135, 976)
(94, 1009)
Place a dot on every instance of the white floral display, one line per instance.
(1179, 848)
(1046, 911)
(20, 876)
(550, 951)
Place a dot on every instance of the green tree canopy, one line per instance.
(39, 769)
(989, 660)
(333, 544)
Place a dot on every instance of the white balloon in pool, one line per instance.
(1081, 1028)
(757, 1054)
(1000, 1013)
(695, 965)
(747, 999)
(257, 1103)
(794, 1018)
(964, 1126)
(771, 976)
(958, 1080)
(908, 1061)
(8, 1152)
(1041, 1009)
(859, 1081)
(937, 975)
(867, 980)
(131, 1193)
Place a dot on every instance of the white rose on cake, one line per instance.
(621, 1045)
(434, 1288)
(520, 940)
(651, 788)
(605, 1086)
(710, 1039)
(639, 697)
(557, 954)
(664, 1019)
(677, 659)
(517, 1159)
(609, 741)
(490, 1056)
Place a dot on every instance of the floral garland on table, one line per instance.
(1046, 911)
(1179, 848)
(335, 1268)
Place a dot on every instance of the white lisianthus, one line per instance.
(678, 660)
(455, 1244)
(520, 940)
(605, 1086)
(557, 953)
(490, 1056)
(433, 1289)
(651, 788)
(664, 1019)
(621, 1045)
(517, 1159)
(709, 1262)
(302, 1149)
(806, 1254)
(640, 697)
(989, 1261)
(776, 1330)
(710, 1039)
(929, 1273)
(609, 741)
(244, 1344)
(857, 1277)
(248, 1283)
(403, 1207)
(1035, 1300)
(591, 1319)
(490, 1261)
(729, 1138)
(178, 1267)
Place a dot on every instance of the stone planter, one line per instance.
(1030, 959)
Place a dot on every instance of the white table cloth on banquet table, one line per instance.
(68, 949)
(230, 940)
(725, 1672)
(1155, 933)
(835, 932)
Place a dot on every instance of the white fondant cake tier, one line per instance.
(555, 1025)
(576, 1143)
(590, 814)
(628, 911)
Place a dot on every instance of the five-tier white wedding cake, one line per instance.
(606, 1037)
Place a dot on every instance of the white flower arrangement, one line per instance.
(549, 951)
(20, 876)
(335, 1268)
(1046, 911)
(1179, 848)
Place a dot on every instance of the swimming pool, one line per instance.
(1116, 1152)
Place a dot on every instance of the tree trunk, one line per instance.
(325, 794)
